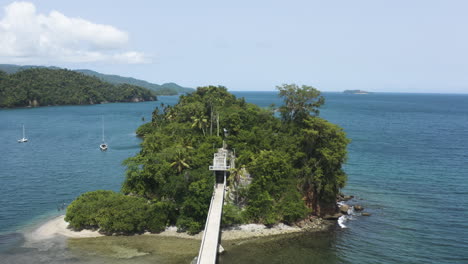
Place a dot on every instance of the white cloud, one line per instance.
(131, 57)
(28, 36)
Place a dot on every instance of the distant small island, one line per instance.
(355, 92)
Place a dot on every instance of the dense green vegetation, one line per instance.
(12, 68)
(117, 213)
(293, 161)
(163, 89)
(42, 86)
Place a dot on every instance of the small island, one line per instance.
(288, 169)
(355, 92)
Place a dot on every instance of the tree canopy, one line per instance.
(42, 86)
(294, 163)
(299, 102)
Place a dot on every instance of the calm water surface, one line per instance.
(408, 166)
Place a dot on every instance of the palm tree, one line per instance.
(170, 113)
(235, 174)
(200, 122)
(180, 161)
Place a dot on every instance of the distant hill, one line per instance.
(12, 68)
(164, 89)
(40, 86)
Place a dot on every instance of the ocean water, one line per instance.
(407, 165)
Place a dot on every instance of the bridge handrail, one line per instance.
(219, 167)
(207, 223)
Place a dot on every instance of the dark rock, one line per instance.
(332, 217)
(340, 197)
(344, 208)
(365, 214)
(358, 207)
(301, 223)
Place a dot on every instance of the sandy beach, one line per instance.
(59, 227)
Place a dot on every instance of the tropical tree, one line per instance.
(180, 161)
(235, 175)
(322, 175)
(299, 102)
(200, 122)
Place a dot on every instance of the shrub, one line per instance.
(195, 207)
(260, 209)
(145, 129)
(189, 225)
(112, 212)
(292, 207)
(124, 214)
(83, 212)
(231, 215)
(159, 216)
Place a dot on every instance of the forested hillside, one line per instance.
(44, 86)
(163, 89)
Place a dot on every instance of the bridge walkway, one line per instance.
(209, 246)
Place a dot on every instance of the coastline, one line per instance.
(59, 227)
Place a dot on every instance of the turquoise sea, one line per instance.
(408, 166)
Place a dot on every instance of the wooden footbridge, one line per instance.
(223, 161)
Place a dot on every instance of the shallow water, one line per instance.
(408, 163)
(135, 249)
(307, 247)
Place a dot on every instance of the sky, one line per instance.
(374, 45)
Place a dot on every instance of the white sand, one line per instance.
(58, 226)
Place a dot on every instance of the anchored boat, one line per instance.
(103, 145)
(24, 139)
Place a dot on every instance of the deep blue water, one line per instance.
(408, 166)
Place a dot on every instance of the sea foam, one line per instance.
(341, 221)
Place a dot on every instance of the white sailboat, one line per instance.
(103, 145)
(24, 139)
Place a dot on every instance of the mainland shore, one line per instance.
(59, 227)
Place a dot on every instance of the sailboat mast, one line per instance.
(103, 129)
(23, 132)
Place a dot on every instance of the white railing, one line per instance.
(206, 227)
(220, 168)
(207, 224)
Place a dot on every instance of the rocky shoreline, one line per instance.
(59, 227)
(347, 209)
